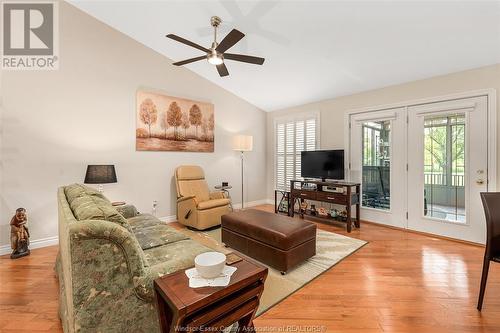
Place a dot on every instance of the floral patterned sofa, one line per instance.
(107, 262)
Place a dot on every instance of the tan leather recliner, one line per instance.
(197, 207)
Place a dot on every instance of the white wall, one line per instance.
(332, 111)
(54, 123)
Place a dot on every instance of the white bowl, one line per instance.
(210, 264)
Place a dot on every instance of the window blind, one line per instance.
(293, 137)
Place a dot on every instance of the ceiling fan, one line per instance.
(216, 53)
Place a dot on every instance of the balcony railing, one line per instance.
(437, 178)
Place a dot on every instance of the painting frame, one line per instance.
(171, 123)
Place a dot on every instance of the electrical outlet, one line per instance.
(155, 204)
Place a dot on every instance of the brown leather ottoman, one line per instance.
(279, 241)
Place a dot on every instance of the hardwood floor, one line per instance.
(399, 282)
(29, 293)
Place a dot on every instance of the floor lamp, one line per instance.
(242, 143)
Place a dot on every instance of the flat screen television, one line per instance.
(324, 164)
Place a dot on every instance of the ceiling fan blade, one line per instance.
(188, 61)
(187, 42)
(222, 69)
(244, 58)
(231, 38)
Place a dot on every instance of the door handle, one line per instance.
(480, 181)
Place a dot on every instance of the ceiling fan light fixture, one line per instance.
(216, 54)
(215, 59)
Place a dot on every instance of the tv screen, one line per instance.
(324, 164)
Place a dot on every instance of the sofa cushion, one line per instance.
(90, 207)
(157, 235)
(179, 255)
(143, 221)
(127, 211)
(213, 203)
(78, 190)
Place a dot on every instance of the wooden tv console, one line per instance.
(301, 190)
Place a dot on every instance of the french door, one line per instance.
(377, 161)
(423, 166)
(450, 168)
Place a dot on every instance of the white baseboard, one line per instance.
(251, 203)
(34, 244)
(168, 219)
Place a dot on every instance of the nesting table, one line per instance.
(184, 309)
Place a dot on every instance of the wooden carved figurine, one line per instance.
(19, 234)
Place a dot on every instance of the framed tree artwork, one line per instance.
(167, 123)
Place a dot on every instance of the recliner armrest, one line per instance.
(191, 197)
(186, 209)
(217, 195)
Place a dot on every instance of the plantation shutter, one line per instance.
(292, 137)
(280, 156)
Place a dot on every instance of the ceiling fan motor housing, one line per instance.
(215, 21)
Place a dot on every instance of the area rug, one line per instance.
(331, 248)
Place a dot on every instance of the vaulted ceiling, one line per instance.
(316, 50)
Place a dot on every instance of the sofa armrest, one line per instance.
(127, 211)
(217, 195)
(181, 262)
(144, 284)
(111, 233)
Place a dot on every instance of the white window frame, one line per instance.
(293, 118)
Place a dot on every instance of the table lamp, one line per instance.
(242, 143)
(100, 174)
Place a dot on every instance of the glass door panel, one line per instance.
(376, 164)
(444, 167)
(377, 160)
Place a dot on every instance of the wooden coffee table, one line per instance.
(182, 309)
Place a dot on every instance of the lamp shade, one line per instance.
(243, 143)
(100, 174)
